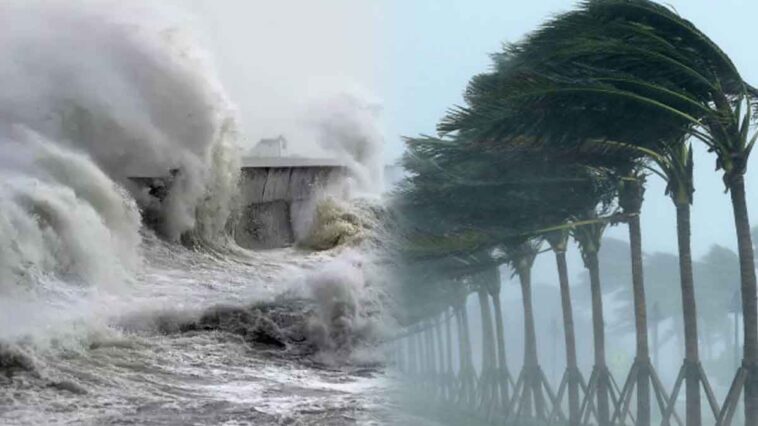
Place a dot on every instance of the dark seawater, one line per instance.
(198, 339)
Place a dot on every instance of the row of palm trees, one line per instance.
(556, 141)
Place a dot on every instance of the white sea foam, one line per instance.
(122, 85)
(98, 92)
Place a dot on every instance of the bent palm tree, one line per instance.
(637, 63)
(589, 237)
(558, 241)
(674, 163)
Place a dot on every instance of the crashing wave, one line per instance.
(95, 94)
(137, 98)
(335, 222)
(62, 218)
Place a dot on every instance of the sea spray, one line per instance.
(331, 313)
(95, 94)
(347, 126)
(329, 222)
(124, 86)
(349, 308)
(102, 322)
(220, 206)
(62, 218)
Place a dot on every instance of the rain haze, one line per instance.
(378, 212)
(442, 44)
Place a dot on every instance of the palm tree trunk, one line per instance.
(467, 340)
(449, 372)
(640, 321)
(431, 350)
(440, 373)
(500, 334)
(488, 338)
(530, 334)
(412, 357)
(598, 332)
(462, 382)
(655, 317)
(468, 365)
(689, 314)
(448, 343)
(568, 327)
(531, 363)
(423, 364)
(461, 341)
(487, 376)
(631, 196)
(748, 290)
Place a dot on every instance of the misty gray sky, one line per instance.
(435, 46)
(276, 58)
(416, 58)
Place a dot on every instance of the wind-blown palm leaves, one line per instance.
(674, 163)
(517, 197)
(542, 93)
(627, 60)
(634, 72)
(449, 176)
(573, 97)
(589, 238)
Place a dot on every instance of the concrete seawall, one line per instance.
(274, 193)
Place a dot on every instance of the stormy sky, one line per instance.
(415, 58)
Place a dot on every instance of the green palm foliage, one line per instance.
(527, 196)
(631, 72)
(567, 120)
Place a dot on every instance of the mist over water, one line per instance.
(98, 93)
(103, 320)
(346, 125)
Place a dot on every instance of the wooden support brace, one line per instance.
(556, 404)
(559, 398)
(732, 398)
(587, 404)
(671, 402)
(626, 396)
(712, 402)
(660, 394)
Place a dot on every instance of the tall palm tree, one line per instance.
(589, 238)
(521, 255)
(488, 383)
(627, 62)
(513, 102)
(529, 194)
(631, 195)
(503, 373)
(515, 208)
(673, 162)
(436, 187)
(579, 189)
(558, 241)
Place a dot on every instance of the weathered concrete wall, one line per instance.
(265, 225)
(268, 195)
(271, 191)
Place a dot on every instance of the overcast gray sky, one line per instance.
(435, 46)
(416, 57)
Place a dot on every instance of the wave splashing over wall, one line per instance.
(123, 86)
(96, 93)
(103, 322)
(347, 125)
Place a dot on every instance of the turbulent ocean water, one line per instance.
(199, 338)
(104, 320)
